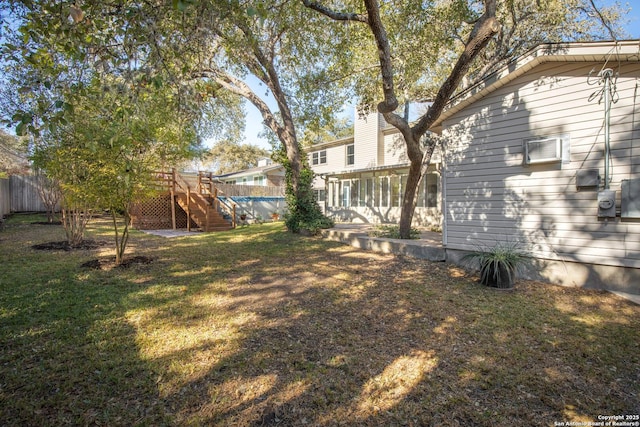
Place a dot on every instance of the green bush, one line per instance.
(303, 212)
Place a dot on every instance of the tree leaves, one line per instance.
(230, 156)
(182, 5)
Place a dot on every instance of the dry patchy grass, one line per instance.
(261, 327)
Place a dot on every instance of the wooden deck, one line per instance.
(180, 204)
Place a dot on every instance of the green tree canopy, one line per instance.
(228, 156)
(13, 155)
(101, 112)
(206, 47)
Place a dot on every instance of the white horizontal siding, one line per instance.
(336, 158)
(492, 195)
(395, 149)
(366, 131)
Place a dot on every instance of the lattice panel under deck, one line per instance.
(155, 214)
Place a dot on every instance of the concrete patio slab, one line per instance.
(172, 233)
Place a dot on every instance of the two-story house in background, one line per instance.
(362, 178)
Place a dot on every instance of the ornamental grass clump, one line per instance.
(498, 264)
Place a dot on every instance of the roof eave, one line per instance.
(566, 52)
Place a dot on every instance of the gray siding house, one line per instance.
(536, 154)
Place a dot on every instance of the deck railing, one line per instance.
(207, 188)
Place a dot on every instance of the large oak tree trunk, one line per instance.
(417, 170)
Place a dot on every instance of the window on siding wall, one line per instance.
(333, 194)
(346, 194)
(384, 191)
(431, 190)
(428, 195)
(368, 192)
(258, 180)
(355, 192)
(395, 191)
(320, 195)
(375, 187)
(319, 157)
(351, 155)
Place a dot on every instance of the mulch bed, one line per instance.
(109, 263)
(65, 246)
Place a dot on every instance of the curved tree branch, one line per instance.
(483, 31)
(337, 16)
(390, 102)
(605, 22)
(240, 88)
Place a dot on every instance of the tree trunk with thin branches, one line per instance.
(485, 28)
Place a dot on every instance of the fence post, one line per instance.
(5, 197)
(172, 192)
(188, 208)
(233, 221)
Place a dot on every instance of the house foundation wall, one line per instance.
(573, 274)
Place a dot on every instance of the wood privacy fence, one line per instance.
(5, 197)
(235, 190)
(20, 194)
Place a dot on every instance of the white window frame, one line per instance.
(562, 149)
(319, 157)
(351, 156)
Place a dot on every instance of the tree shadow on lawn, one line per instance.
(346, 337)
(69, 355)
(284, 330)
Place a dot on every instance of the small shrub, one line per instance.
(498, 264)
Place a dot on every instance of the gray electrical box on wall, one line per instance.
(630, 198)
(607, 204)
(588, 179)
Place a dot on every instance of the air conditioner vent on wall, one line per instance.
(544, 150)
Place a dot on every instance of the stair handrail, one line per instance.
(208, 189)
(201, 204)
(180, 182)
(205, 186)
(222, 205)
(162, 180)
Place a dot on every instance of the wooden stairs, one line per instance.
(201, 204)
(201, 211)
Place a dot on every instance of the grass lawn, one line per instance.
(260, 327)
